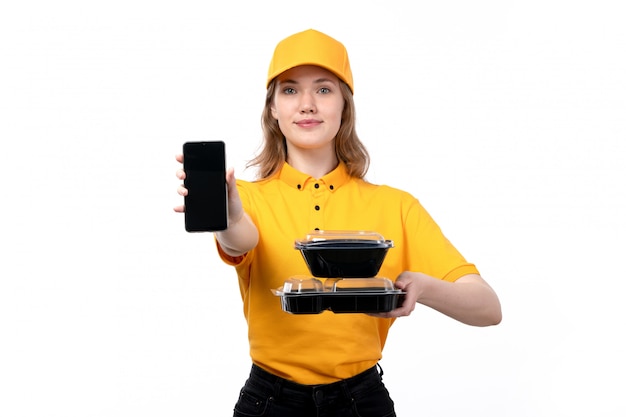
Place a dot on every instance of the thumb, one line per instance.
(403, 281)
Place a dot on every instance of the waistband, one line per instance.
(345, 387)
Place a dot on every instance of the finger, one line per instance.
(179, 209)
(182, 191)
(231, 181)
(180, 174)
(179, 157)
(230, 177)
(401, 284)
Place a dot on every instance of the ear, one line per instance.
(274, 112)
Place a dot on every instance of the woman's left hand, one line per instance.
(469, 299)
(407, 282)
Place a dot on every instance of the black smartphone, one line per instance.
(206, 203)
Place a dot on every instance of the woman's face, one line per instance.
(308, 106)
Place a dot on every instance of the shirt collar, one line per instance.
(298, 180)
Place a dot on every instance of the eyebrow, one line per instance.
(317, 81)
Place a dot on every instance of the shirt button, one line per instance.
(332, 188)
(299, 186)
(319, 395)
(317, 208)
(317, 186)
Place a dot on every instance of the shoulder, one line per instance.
(384, 198)
(385, 191)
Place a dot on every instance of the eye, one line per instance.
(324, 90)
(289, 90)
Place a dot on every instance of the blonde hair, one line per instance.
(348, 147)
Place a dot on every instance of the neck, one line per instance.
(315, 163)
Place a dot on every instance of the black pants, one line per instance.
(268, 395)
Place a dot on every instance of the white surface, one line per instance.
(506, 119)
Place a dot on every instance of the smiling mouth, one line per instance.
(308, 123)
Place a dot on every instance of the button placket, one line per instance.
(318, 194)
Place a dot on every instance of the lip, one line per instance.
(308, 122)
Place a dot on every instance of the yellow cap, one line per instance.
(311, 48)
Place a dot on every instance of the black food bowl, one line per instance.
(343, 254)
(369, 295)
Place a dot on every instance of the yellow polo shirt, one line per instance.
(326, 347)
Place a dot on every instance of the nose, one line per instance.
(307, 103)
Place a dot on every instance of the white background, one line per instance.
(505, 118)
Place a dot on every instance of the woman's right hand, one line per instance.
(235, 208)
(180, 174)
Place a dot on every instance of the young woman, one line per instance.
(312, 169)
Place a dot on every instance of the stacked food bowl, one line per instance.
(344, 265)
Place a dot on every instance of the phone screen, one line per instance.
(206, 203)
